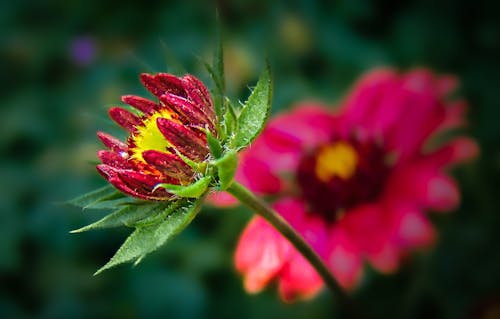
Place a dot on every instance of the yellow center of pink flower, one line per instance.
(336, 160)
(148, 136)
(341, 174)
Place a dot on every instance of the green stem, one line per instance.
(261, 208)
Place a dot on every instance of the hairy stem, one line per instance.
(261, 208)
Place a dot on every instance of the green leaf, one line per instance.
(107, 192)
(174, 66)
(114, 203)
(193, 190)
(226, 167)
(156, 218)
(216, 72)
(127, 216)
(145, 240)
(218, 62)
(214, 145)
(255, 112)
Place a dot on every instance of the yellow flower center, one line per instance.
(338, 159)
(149, 137)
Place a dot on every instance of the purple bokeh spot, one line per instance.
(83, 50)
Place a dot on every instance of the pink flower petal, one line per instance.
(260, 254)
(298, 279)
(370, 229)
(412, 228)
(422, 114)
(446, 84)
(222, 199)
(266, 183)
(344, 259)
(454, 115)
(365, 97)
(385, 258)
(423, 185)
(309, 123)
(460, 149)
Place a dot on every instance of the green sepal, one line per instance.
(127, 216)
(230, 119)
(226, 168)
(147, 239)
(255, 112)
(197, 167)
(193, 190)
(90, 199)
(214, 145)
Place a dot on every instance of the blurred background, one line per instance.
(64, 63)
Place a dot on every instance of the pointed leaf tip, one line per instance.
(126, 216)
(89, 199)
(255, 112)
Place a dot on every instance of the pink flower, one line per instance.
(356, 183)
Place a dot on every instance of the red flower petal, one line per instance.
(130, 186)
(189, 112)
(198, 93)
(162, 83)
(169, 164)
(114, 159)
(142, 104)
(183, 139)
(124, 118)
(112, 142)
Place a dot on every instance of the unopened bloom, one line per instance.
(356, 183)
(161, 135)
